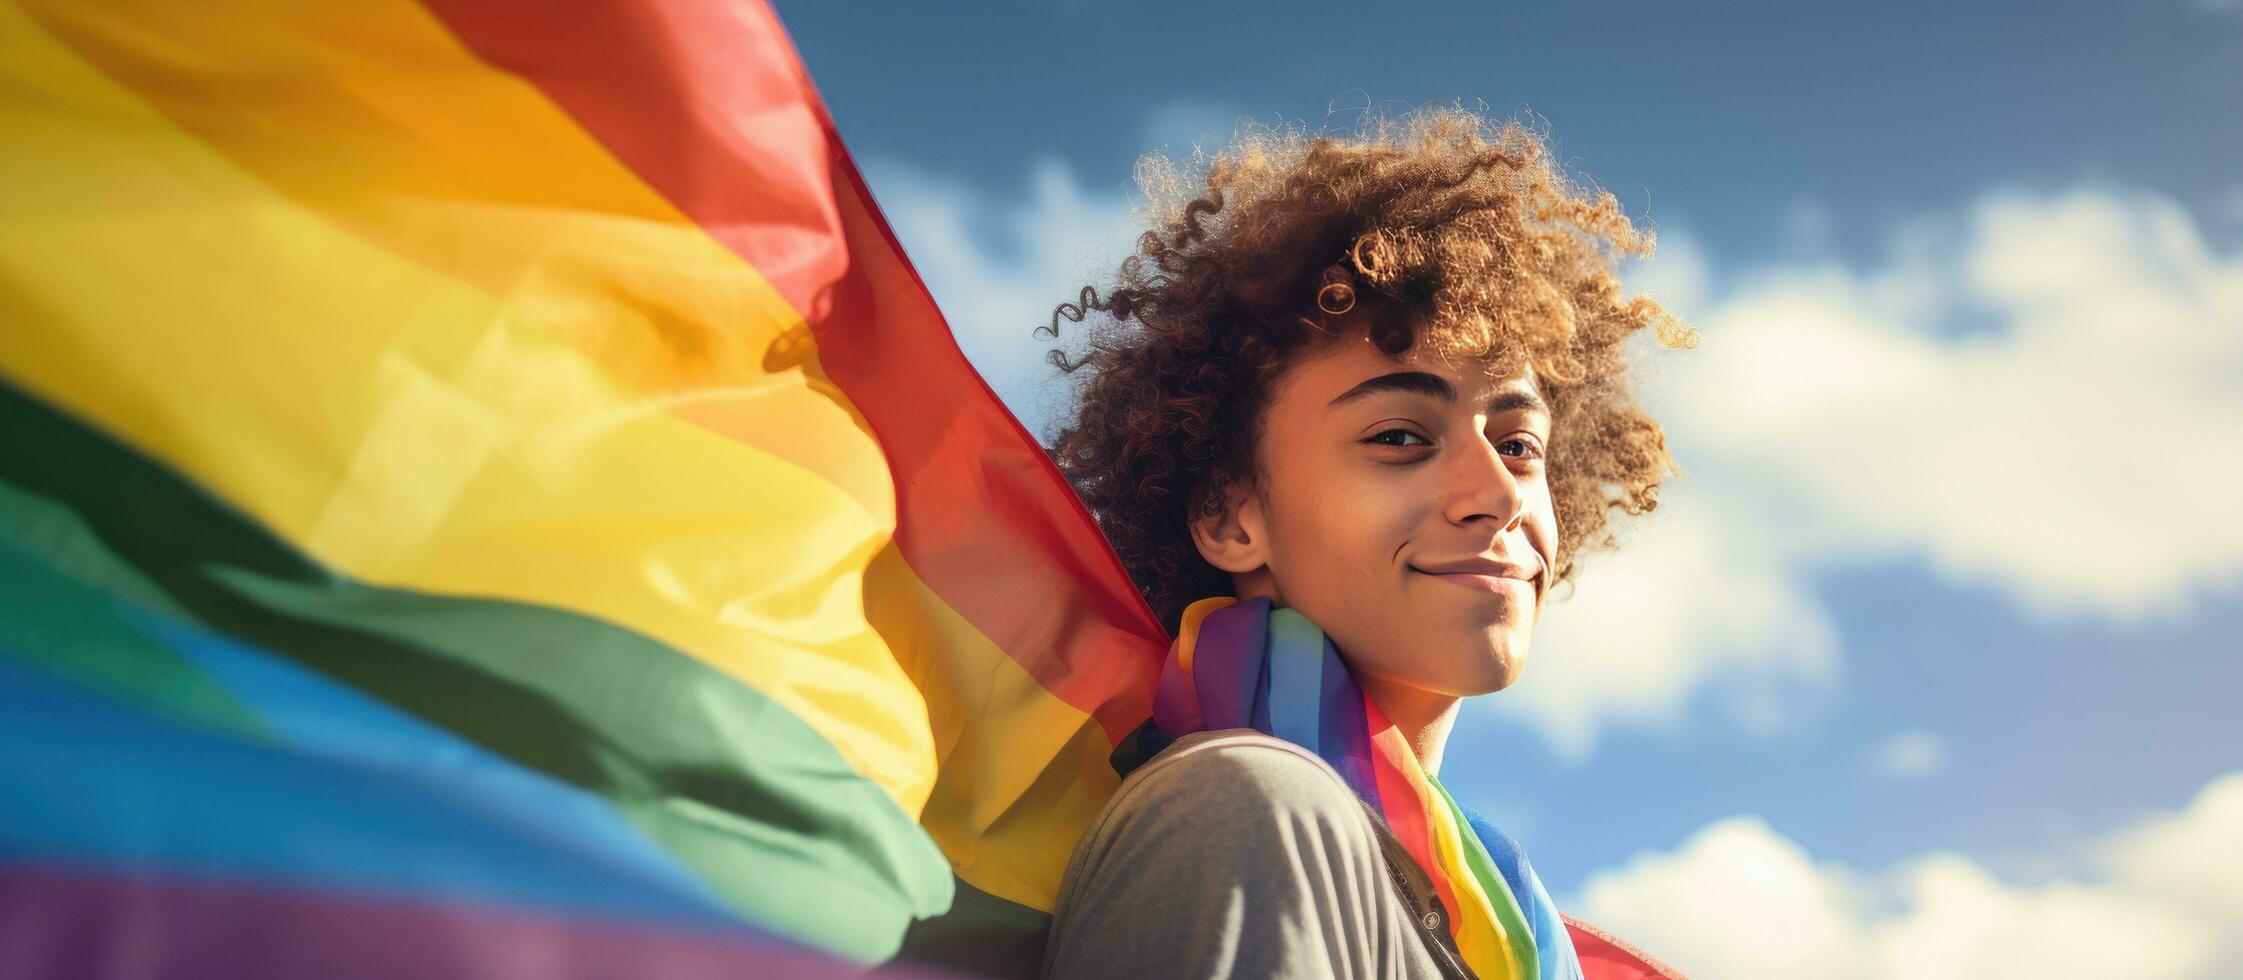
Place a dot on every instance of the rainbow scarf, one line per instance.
(1250, 665)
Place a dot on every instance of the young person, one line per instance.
(1352, 411)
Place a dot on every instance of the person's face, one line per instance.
(1406, 510)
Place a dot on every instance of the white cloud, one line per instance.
(1910, 754)
(2080, 455)
(2032, 394)
(2193, 858)
(2163, 899)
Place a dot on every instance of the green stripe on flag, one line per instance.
(1509, 911)
(48, 619)
(742, 791)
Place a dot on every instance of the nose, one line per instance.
(1483, 488)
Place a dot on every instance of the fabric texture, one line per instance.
(1254, 665)
(547, 375)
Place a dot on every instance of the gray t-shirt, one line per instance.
(1235, 854)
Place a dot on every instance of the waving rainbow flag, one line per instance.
(538, 387)
(483, 492)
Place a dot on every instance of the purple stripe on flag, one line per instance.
(58, 922)
(1175, 704)
(1344, 732)
(1227, 663)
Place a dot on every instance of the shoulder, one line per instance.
(1230, 812)
(1231, 853)
(1237, 777)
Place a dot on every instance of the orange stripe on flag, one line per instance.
(711, 107)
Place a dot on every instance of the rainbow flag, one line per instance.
(519, 413)
(483, 492)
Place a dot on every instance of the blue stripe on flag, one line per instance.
(1296, 678)
(367, 797)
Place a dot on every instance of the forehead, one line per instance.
(1326, 371)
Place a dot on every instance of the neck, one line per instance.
(1422, 716)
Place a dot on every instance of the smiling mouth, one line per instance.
(1483, 581)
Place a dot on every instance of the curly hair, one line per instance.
(1425, 227)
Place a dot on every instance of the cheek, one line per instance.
(1336, 533)
(1542, 525)
(1366, 519)
(1335, 563)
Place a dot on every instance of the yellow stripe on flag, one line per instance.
(411, 430)
(1481, 940)
(376, 118)
(1023, 773)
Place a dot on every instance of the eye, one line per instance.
(1398, 437)
(1520, 447)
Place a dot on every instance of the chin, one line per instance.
(1500, 682)
(1507, 657)
(1499, 670)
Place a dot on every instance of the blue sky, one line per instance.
(1932, 659)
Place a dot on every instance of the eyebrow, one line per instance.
(1435, 386)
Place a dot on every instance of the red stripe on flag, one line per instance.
(1606, 957)
(710, 105)
(1404, 802)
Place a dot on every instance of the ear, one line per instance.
(1236, 540)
